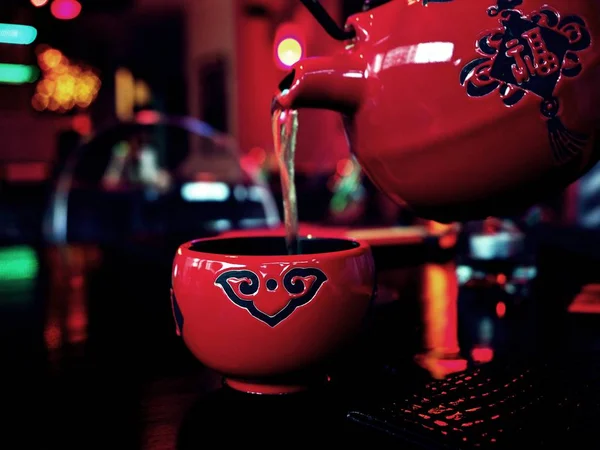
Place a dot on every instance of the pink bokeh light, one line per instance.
(65, 9)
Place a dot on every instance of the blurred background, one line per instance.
(132, 75)
(130, 126)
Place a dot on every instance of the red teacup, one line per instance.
(264, 319)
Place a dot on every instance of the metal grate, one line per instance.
(494, 407)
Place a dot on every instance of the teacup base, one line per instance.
(269, 388)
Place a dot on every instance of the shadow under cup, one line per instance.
(267, 320)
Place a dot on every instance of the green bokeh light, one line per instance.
(18, 73)
(18, 264)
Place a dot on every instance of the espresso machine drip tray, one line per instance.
(495, 406)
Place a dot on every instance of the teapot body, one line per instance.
(476, 108)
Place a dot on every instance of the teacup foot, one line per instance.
(268, 388)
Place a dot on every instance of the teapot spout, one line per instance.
(335, 83)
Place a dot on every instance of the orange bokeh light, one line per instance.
(64, 85)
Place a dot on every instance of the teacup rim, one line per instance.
(186, 250)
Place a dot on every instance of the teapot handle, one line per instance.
(326, 21)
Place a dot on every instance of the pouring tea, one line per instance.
(462, 109)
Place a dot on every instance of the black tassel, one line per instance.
(565, 144)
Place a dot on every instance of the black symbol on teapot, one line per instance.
(530, 55)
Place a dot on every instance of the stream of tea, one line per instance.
(285, 130)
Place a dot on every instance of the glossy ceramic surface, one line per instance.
(464, 109)
(266, 320)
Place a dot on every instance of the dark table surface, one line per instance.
(90, 359)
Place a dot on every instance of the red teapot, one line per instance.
(461, 109)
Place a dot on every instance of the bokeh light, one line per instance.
(289, 51)
(12, 33)
(39, 3)
(17, 73)
(289, 45)
(64, 85)
(65, 9)
(501, 309)
(82, 123)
